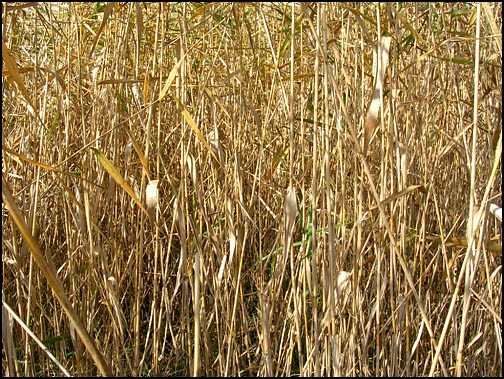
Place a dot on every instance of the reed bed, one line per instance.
(251, 189)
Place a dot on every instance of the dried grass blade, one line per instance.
(299, 77)
(118, 81)
(53, 280)
(31, 161)
(7, 314)
(138, 150)
(197, 308)
(10, 63)
(417, 341)
(44, 166)
(409, 27)
(195, 128)
(461, 242)
(171, 78)
(118, 178)
(397, 195)
(181, 226)
(278, 157)
(106, 15)
(139, 23)
(199, 10)
(71, 195)
(7, 340)
(216, 100)
(146, 88)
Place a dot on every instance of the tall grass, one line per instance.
(251, 189)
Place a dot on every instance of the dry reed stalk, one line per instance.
(235, 105)
(54, 282)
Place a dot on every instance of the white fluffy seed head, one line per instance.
(343, 285)
(128, 150)
(152, 194)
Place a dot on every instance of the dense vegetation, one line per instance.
(251, 189)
